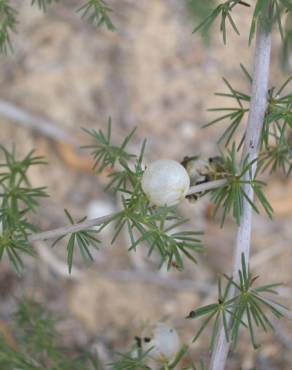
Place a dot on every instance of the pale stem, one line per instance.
(258, 106)
(87, 224)
(30, 120)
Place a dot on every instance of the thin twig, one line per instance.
(56, 233)
(156, 279)
(258, 106)
(32, 121)
(206, 186)
(87, 224)
(61, 269)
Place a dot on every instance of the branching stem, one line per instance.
(51, 234)
(206, 186)
(258, 106)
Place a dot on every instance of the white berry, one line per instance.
(162, 342)
(165, 182)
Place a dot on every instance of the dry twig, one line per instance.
(51, 234)
(258, 106)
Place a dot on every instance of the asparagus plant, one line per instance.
(150, 194)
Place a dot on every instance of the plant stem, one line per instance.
(206, 186)
(258, 106)
(39, 124)
(56, 233)
(87, 224)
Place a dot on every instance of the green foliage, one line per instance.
(278, 113)
(276, 150)
(261, 15)
(94, 11)
(137, 359)
(232, 195)
(217, 312)
(84, 240)
(18, 200)
(246, 308)
(104, 153)
(276, 145)
(199, 10)
(43, 4)
(157, 226)
(223, 10)
(39, 343)
(132, 360)
(278, 155)
(35, 327)
(159, 229)
(287, 42)
(233, 114)
(7, 25)
(97, 12)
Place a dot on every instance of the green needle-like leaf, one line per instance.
(18, 200)
(97, 12)
(223, 10)
(7, 25)
(43, 4)
(39, 345)
(84, 239)
(106, 154)
(247, 302)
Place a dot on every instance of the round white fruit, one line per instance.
(162, 342)
(165, 182)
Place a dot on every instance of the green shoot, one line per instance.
(39, 345)
(18, 200)
(84, 240)
(224, 10)
(43, 4)
(232, 195)
(97, 12)
(7, 25)
(246, 309)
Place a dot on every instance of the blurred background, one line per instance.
(153, 73)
